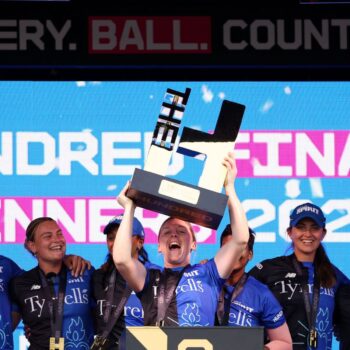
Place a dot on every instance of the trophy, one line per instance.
(203, 204)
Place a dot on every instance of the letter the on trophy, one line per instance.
(203, 204)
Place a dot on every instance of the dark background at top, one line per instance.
(80, 69)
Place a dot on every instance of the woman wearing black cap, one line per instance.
(305, 283)
(117, 304)
(246, 302)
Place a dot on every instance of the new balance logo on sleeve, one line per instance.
(290, 275)
(35, 287)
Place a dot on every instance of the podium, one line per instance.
(195, 338)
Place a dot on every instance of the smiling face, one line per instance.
(175, 242)
(306, 236)
(48, 243)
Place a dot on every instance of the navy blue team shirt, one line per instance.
(8, 270)
(29, 300)
(280, 276)
(254, 306)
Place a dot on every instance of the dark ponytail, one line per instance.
(324, 269)
(143, 255)
(109, 263)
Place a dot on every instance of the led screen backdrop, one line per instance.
(67, 148)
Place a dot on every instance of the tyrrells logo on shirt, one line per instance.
(132, 311)
(76, 296)
(240, 317)
(289, 288)
(2, 289)
(190, 284)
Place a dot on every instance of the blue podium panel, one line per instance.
(201, 338)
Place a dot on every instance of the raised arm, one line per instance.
(132, 270)
(230, 253)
